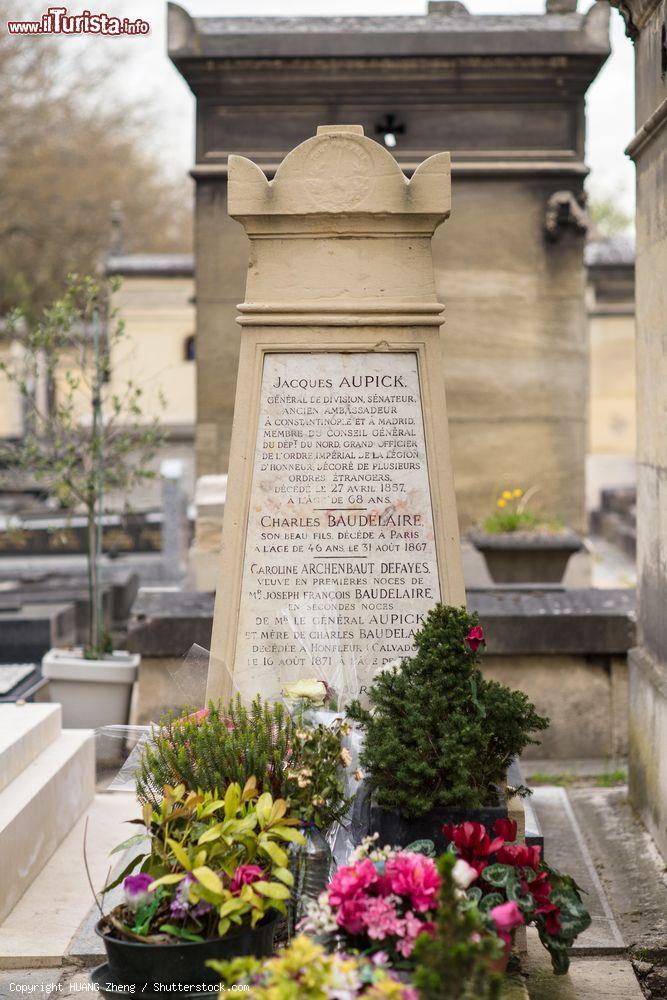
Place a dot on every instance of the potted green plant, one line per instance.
(513, 883)
(438, 736)
(83, 437)
(519, 546)
(211, 883)
(291, 756)
(305, 970)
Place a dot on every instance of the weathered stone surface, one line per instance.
(648, 666)
(567, 689)
(340, 528)
(166, 623)
(556, 621)
(452, 81)
(30, 630)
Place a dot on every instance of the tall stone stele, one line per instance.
(340, 528)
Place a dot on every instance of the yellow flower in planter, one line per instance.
(501, 503)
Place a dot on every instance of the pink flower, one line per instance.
(412, 928)
(245, 875)
(351, 915)
(475, 637)
(380, 958)
(198, 716)
(380, 918)
(415, 876)
(351, 880)
(506, 917)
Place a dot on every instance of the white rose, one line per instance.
(309, 689)
(463, 874)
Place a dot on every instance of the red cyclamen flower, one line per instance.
(475, 637)
(507, 829)
(472, 843)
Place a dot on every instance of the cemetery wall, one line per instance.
(648, 662)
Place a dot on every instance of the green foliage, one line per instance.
(512, 514)
(511, 520)
(289, 759)
(456, 963)
(574, 919)
(437, 732)
(304, 971)
(82, 437)
(609, 218)
(198, 842)
(516, 885)
(610, 779)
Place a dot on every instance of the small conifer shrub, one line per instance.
(438, 733)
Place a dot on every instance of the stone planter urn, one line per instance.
(516, 557)
(93, 693)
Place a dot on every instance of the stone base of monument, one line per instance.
(93, 693)
(526, 557)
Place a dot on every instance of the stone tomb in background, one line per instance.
(340, 529)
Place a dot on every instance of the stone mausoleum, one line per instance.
(506, 95)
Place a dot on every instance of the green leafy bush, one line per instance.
(212, 865)
(438, 733)
(208, 750)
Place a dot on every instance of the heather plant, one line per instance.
(437, 732)
(213, 747)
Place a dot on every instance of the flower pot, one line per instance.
(93, 693)
(184, 963)
(526, 556)
(398, 831)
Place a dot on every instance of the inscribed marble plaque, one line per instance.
(340, 559)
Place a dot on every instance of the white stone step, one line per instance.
(25, 730)
(39, 807)
(38, 931)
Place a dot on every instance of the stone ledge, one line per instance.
(536, 622)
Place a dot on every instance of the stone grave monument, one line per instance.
(340, 528)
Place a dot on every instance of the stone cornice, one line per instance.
(463, 168)
(648, 131)
(636, 14)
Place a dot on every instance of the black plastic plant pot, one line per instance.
(184, 963)
(399, 831)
